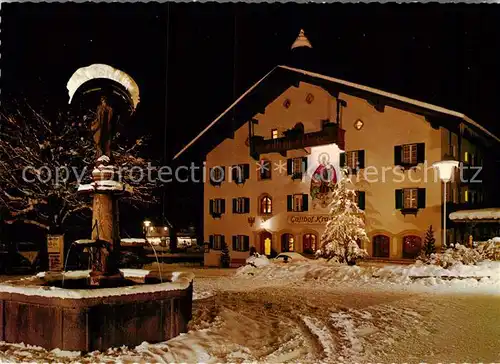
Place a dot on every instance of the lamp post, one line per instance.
(445, 170)
(146, 224)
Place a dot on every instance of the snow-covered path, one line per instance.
(237, 319)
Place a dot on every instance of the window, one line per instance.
(216, 241)
(296, 167)
(217, 175)
(241, 205)
(309, 242)
(412, 245)
(409, 154)
(217, 207)
(240, 173)
(287, 243)
(297, 202)
(353, 160)
(410, 199)
(266, 205)
(381, 246)
(241, 243)
(265, 169)
(274, 133)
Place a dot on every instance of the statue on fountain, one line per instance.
(102, 128)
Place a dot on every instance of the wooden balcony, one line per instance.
(295, 139)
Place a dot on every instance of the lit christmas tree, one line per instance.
(346, 227)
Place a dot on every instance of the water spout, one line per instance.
(66, 264)
(157, 261)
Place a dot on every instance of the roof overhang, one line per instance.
(478, 215)
(275, 82)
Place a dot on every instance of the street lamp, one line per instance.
(147, 224)
(445, 170)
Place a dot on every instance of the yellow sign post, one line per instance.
(55, 250)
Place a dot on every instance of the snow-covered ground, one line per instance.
(318, 312)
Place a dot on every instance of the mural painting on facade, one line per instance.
(323, 181)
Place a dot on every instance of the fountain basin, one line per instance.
(35, 312)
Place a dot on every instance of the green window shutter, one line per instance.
(247, 205)
(289, 162)
(398, 151)
(342, 159)
(234, 242)
(235, 202)
(211, 207)
(361, 199)
(305, 202)
(289, 203)
(421, 198)
(361, 159)
(246, 246)
(223, 206)
(399, 199)
(211, 240)
(304, 165)
(420, 152)
(246, 171)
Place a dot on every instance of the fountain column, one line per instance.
(114, 96)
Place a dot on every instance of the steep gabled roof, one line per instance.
(281, 77)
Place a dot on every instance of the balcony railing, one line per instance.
(295, 139)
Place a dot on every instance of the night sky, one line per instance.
(442, 54)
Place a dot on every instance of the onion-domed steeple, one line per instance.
(301, 53)
(301, 41)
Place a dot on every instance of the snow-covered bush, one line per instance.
(457, 254)
(346, 227)
(490, 250)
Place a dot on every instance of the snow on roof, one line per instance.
(87, 187)
(103, 158)
(479, 214)
(84, 241)
(349, 84)
(133, 240)
(98, 70)
(108, 185)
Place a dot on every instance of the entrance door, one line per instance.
(381, 246)
(412, 245)
(266, 239)
(309, 243)
(287, 243)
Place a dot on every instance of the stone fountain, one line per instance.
(104, 307)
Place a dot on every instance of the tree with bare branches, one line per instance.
(42, 164)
